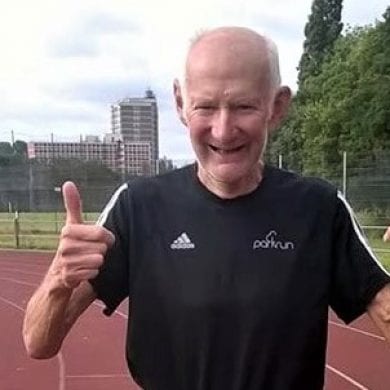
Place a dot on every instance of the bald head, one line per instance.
(237, 46)
(232, 63)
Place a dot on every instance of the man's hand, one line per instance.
(82, 247)
(386, 236)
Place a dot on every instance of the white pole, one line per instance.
(345, 174)
(280, 164)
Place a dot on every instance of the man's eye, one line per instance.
(245, 107)
(204, 107)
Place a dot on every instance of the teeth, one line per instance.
(225, 151)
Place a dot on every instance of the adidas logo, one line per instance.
(182, 242)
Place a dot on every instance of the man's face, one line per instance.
(227, 108)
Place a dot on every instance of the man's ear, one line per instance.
(280, 107)
(177, 92)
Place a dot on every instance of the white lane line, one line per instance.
(61, 374)
(14, 305)
(59, 356)
(100, 305)
(347, 378)
(123, 315)
(97, 376)
(61, 361)
(21, 272)
(19, 282)
(22, 263)
(351, 328)
(329, 367)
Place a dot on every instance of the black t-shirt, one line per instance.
(233, 294)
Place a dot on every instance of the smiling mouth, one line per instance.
(226, 150)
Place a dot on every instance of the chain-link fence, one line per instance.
(34, 193)
(365, 182)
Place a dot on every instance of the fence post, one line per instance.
(57, 190)
(280, 162)
(16, 229)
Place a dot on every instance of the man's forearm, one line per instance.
(50, 314)
(65, 291)
(44, 322)
(379, 311)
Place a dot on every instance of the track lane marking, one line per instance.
(97, 376)
(353, 329)
(100, 305)
(19, 282)
(21, 272)
(123, 315)
(59, 356)
(62, 375)
(347, 378)
(329, 367)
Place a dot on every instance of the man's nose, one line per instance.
(223, 125)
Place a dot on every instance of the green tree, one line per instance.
(11, 155)
(349, 106)
(343, 107)
(20, 148)
(321, 31)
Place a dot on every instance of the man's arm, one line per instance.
(379, 311)
(386, 236)
(65, 291)
(50, 314)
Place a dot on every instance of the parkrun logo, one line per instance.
(270, 242)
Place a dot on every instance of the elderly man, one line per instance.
(230, 264)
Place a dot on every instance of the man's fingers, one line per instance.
(72, 202)
(88, 233)
(73, 280)
(74, 264)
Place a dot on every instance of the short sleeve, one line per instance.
(112, 283)
(357, 275)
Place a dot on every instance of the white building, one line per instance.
(132, 158)
(136, 120)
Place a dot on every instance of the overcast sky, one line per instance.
(63, 63)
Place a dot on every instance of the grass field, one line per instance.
(36, 230)
(40, 231)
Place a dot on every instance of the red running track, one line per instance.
(92, 356)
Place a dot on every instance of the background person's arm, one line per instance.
(386, 236)
(65, 291)
(379, 311)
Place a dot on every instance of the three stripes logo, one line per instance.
(182, 242)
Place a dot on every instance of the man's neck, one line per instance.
(231, 190)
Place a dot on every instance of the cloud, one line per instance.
(83, 37)
(103, 91)
(64, 63)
